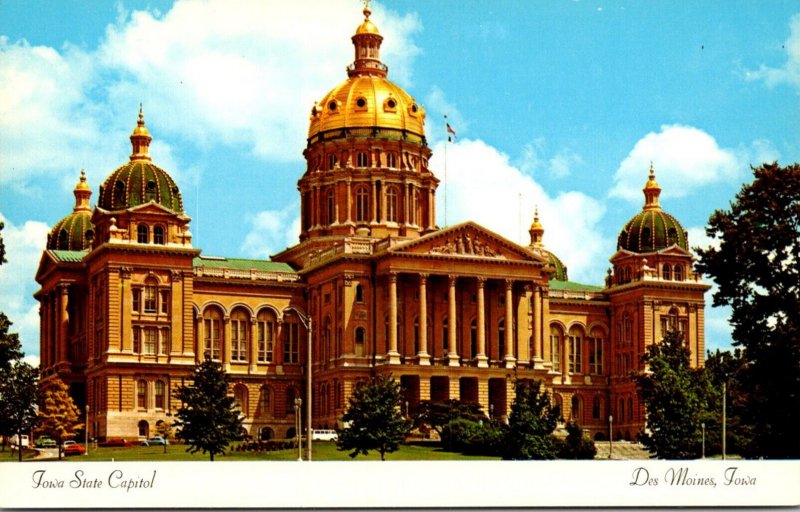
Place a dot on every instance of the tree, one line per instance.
(531, 423)
(728, 368)
(437, 414)
(209, 419)
(10, 347)
(672, 396)
(373, 420)
(2, 245)
(18, 390)
(165, 430)
(58, 414)
(577, 445)
(757, 271)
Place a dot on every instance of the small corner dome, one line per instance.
(72, 233)
(560, 273)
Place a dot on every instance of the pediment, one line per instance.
(467, 240)
(151, 207)
(675, 250)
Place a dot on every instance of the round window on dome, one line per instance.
(361, 103)
(414, 108)
(332, 106)
(390, 105)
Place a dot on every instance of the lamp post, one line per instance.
(491, 411)
(298, 402)
(724, 426)
(610, 434)
(703, 427)
(86, 437)
(406, 409)
(306, 321)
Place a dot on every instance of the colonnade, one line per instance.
(54, 325)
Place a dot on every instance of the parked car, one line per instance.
(73, 448)
(15, 440)
(115, 441)
(323, 435)
(155, 441)
(45, 442)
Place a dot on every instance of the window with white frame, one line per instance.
(576, 350)
(160, 394)
(240, 326)
(141, 394)
(392, 213)
(596, 352)
(211, 333)
(291, 339)
(266, 335)
(555, 347)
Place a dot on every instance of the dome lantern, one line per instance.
(367, 42)
(651, 191)
(536, 231)
(537, 246)
(140, 139)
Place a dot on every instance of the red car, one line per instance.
(115, 441)
(73, 448)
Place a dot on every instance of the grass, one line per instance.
(322, 451)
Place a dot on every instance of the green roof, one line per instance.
(241, 264)
(69, 256)
(572, 286)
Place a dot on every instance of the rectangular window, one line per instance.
(159, 394)
(575, 354)
(290, 343)
(163, 346)
(596, 356)
(137, 300)
(150, 299)
(555, 353)
(239, 340)
(137, 340)
(141, 394)
(150, 335)
(265, 341)
(211, 332)
(165, 302)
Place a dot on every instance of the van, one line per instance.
(15, 441)
(323, 435)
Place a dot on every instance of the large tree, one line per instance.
(18, 390)
(209, 419)
(58, 414)
(531, 423)
(373, 420)
(757, 269)
(674, 400)
(438, 413)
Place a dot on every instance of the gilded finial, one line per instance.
(652, 171)
(367, 10)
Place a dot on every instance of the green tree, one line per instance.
(18, 391)
(10, 347)
(209, 419)
(437, 414)
(373, 420)
(165, 430)
(673, 398)
(2, 245)
(757, 271)
(729, 368)
(577, 445)
(58, 414)
(531, 423)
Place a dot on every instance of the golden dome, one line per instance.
(367, 99)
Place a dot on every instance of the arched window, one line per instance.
(391, 204)
(627, 328)
(62, 239)
(597, 408)
(158, 235)
(555, 347)
(160, 394)
(119, 193)
(144, 429)
(264, 401)
(331, 202)
(416, 335)
(142, 234)
(666, 272)
(266, 433)
(576, 349)
(359, 293)
(391, 160)
(212, 330)
(672, 237)
(678, 272)
(150, 192)
(576, 409)
(266, 335)
(141, 394)
(362, 204)
(240, 397)
(291, 338)
(596, 352)
(361, 159)
(501, 339)
(559, 402)
(361, 335)
(240, 327)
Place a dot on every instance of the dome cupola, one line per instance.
(75, 231)
(537, 233)
(652, 229)
(139, 181)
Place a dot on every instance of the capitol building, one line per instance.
(129, 305)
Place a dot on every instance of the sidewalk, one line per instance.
(622, 450)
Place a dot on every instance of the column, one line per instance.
(253, 346)
(452, 323)
(480, 357)
(393, 356)
(374, 200)
(226, 344)
(537, 326)
(509, 331)
(405, 217)
(63, 322)
(349, 204)
(200, 349)
(423, 358)
(565, 378)
(431, 214)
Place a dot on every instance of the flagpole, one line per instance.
(445, 169)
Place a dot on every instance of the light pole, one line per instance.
(306, 321)
(491, 411)
(724, 427)
(298, 402)
(703, 427)
(406, 409)
(86, 439)
(610, 434)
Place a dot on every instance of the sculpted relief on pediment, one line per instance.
(466, 244)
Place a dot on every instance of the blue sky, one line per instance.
(560, 104)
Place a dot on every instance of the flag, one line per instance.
(450, 130)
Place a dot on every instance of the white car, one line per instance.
(323, 435)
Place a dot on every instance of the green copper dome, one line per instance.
(139, 181)
(652, 229)
(560, 273)
(75, 231)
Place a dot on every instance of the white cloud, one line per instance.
(789, 73)
(684, 158)
(532, 156)
(436, 107)
(484, 187)
(272, 231)
(32, 360)
(24, 246)
(560, 166)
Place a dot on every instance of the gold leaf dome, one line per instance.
(367, 104)
(75, 231)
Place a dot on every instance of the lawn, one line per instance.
(322, 451)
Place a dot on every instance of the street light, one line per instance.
(610, 434)
(306, 321)
(406, 409)
(703, 427)
(86, 436)
(298, 402)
